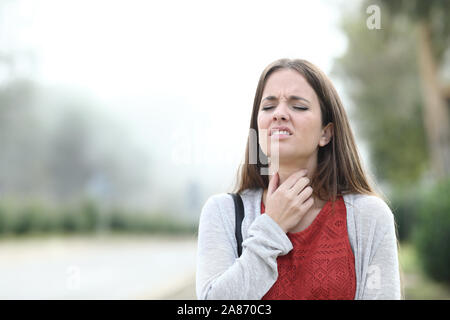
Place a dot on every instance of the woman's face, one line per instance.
(289, 101)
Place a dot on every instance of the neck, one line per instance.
(287, 169)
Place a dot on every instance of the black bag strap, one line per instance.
(239, 216)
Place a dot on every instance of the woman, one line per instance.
(314, 228)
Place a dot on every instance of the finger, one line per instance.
(305, 194)
(293, 178)
(305, 206)
(273, 183)
(299, 185)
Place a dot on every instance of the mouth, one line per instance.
(281, 131)
(280, 136)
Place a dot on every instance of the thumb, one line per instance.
(273, 183)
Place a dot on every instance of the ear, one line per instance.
(327, 134)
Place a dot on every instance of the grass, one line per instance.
(417, 285)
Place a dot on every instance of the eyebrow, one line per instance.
(273, 98)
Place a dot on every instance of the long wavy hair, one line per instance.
(339, 170)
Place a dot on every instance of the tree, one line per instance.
(431, 22)
(379, 71)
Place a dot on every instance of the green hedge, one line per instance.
(405, 210)
(432, 231)
(20, 218)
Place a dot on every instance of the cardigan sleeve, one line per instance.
(220, 273)
(382, 280)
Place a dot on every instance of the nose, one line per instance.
(280, 113)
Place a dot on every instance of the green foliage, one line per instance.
(23, 218)
(156, 223)
(417, 285)
(404, 208)
(436, 14)
(91, 215)
(26, 217)
(72, 221)
(379, 71)
(431, 235)
(3, 219)
(118, 221)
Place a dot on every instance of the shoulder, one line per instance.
(217, 203)
(370, 209)
(223, 203)
(224, 200)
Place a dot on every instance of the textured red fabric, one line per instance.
(321, 265)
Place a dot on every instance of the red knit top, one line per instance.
(321, 265)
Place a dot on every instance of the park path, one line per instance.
(98, 267)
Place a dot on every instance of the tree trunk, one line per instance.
(435, 110)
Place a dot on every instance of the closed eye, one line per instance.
(295, 107)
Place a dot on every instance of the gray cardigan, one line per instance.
(222, 275)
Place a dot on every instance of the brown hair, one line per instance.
(339, 170)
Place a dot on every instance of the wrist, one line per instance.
(277, 222)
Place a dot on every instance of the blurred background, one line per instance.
(118, 119)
